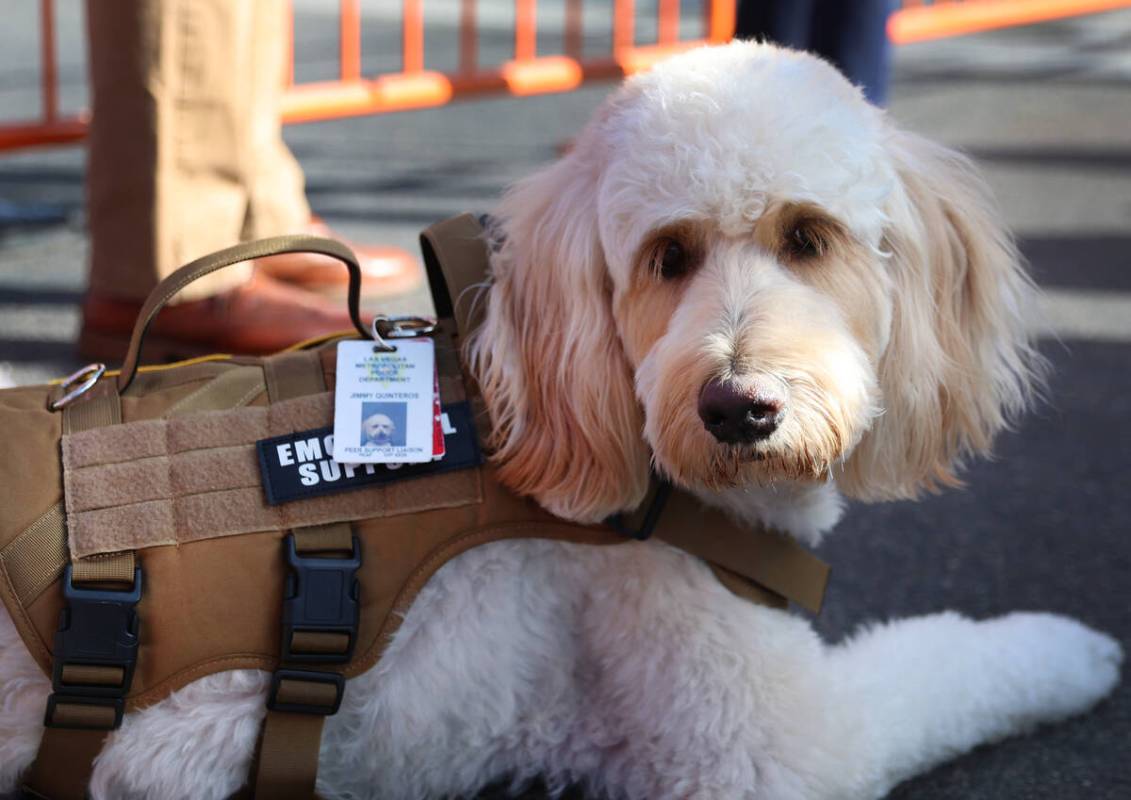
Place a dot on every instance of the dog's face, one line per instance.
(378, 429)
(740, 214)
(744, 274)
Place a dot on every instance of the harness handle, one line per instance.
(236, 254)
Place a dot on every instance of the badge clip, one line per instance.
(386, 327)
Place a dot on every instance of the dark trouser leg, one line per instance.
(853, 36)
(785, 22)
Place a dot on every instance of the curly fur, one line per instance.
(898, 344)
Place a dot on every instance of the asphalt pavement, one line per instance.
(1046, 112)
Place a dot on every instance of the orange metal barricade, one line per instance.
(50, 128)
(415, 86)
(527, 72)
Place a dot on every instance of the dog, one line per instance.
(747, 279)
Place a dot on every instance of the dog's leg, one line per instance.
(196, 744)
(695, 693)
(23, 697)
(628, 668)
(923, 690)
(691, 692)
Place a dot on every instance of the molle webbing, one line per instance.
(34, 559)
(172, 481)
(232, 388)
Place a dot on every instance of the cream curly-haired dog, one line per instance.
(746, 276)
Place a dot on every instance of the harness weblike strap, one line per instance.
(302, 695)
(456, 260)
(87, 699)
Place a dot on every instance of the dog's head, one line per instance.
(745, 274)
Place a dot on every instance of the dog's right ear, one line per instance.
(567, 429)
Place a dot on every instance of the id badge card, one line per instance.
(384, 403)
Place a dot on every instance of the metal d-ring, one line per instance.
(76, 385)
(398, 327)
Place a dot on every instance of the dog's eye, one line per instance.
(672, 259)
(802, 242)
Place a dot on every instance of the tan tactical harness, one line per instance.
(138, 552)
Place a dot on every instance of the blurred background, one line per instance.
(1038, 92)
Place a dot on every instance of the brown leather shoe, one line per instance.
(384, 270)
(259, 317)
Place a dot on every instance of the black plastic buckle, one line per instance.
(97, 628)
(651, 514)
(115, 704)
(321, 597)
(326, 709)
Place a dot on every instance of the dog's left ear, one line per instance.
(959, 365)
(567, 429)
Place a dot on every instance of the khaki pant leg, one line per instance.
(122, 147)
(275, 183)
(179, 130)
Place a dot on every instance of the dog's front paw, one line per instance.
(1061, 666)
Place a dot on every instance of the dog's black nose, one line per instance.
(737, 415)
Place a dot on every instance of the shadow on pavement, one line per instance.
(1096, 261)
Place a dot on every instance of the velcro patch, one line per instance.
(301, 465)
